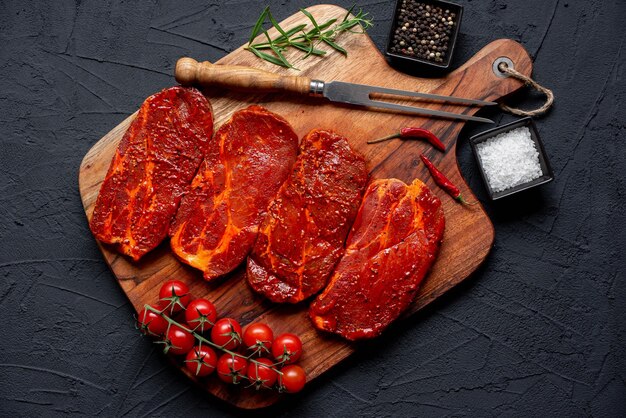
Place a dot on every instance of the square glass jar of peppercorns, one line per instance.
(424, 32)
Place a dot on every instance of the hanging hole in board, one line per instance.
(504, 61)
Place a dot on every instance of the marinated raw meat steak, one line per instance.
(154, 164)
(302, 236)
(392, 245)
(218, 220)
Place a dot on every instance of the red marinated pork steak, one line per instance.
(218, 220)
(302, 236)
(391, 247)
(154, 164)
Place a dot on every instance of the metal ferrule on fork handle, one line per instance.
(316, 88)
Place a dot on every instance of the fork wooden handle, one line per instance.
(191, 72)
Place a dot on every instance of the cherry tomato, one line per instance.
(226, 333)
(200, 315)
(201, 361)
(178, 341)
(151, 323)
(258, 338)
(287, 348)
(261, 373)
(175, 294)
(292, 379)
(231, 369)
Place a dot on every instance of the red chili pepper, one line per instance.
(442, 181)
(413, 132)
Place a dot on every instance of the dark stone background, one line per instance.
(538, 330)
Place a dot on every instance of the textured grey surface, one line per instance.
(539, 330)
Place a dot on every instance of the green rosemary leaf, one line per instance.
(348, 25)
(365, 22)
(267, 35)
(310, 50)
(348, 13)
(288, 34)
(317, 30)
(360, 20)
(311, 18)
(327, 24)
(335, 46)
(258, 24)
(267, 57)
(275, 23)
(263, 45)
(281, 57)
(295, 29)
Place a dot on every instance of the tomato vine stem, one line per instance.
(204, 340)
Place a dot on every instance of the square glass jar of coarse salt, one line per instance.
(511, 158)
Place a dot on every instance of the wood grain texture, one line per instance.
(469, 233)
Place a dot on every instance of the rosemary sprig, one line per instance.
(302, 37)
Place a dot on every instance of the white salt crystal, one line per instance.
(509, 159)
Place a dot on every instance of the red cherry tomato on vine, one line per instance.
(200, 315)
(292, 379)
(151, 323)
(226, 333)
(179, 341)
(175, 295)
(258, 338)
(201, 361)
(231, 369)
(287, 348)
(261, 374)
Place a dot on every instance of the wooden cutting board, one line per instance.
(469, 233)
